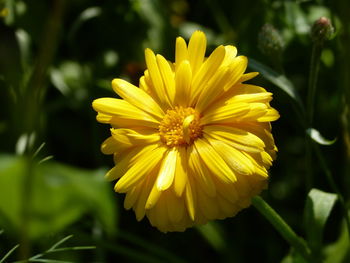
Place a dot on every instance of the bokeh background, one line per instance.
(57, 56)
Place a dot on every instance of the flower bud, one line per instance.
(321, 30)
(270, 41)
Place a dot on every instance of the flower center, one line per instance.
(180, 126)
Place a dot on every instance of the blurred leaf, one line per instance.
(12, 170)
(148, 9)
(294, 257)
(318, 207)
(186, 29)
(296, 18)
(24, 42)
(71, 79)
(214, 235)
(10, 6)
(327, 57)
(110, 58)
(317, 11)
(87, 14)
(278, 79)
(339, 251)
(61, 195)
(317, 137)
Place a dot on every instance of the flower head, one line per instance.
(270, 41)
(321, 30)
(193, 142)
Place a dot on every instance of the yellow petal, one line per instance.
(144, 86)
(168, 77)
(213, 89)
(226, 113)
(123, 161)
(230, 55)
(131, 197)
(238, 138)
(196, 50)
(223, 80)
(183, 79)
(137, 97)
(103, 118)
(214, 161)
(260, 170)
(206, 71)
(176, 207)
(200, 172)
(244, 191)
(270, 115)
(180, 179)
(133, 137)
(144, 165)
(161, 215)
(110, 146)
(228, 191)
(145, 188)
(253, 97)
(237, 67)
(261, 112)
(167, 170)
(191, 200)
(153, 197)
(208, 206)
(248, 76)
(181, 52)
(121, 110)
(156, 78)
(236, 160)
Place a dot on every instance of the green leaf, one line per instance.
(319, 204)
(86, 15)
(278, 79)
(317, 137)
(61, 195)
(339, 251)
(294, 257)
(69, 193)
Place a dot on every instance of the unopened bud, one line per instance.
(321, 30)
(270, 41)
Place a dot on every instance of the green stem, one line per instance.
(314, 69)
(309, 178)
(32, 100)
(333, 185)
(283, 228)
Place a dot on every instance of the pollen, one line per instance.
(180, 127)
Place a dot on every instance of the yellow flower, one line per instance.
(193, 143)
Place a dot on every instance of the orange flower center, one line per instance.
(180, 127)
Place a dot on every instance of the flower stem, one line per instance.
(333, 185)
(314, 69)
(298, 243)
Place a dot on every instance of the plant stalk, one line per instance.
(298, 243)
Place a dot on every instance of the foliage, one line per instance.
(57, 56)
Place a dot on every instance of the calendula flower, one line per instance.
(193, 142)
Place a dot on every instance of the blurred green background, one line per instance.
(57, 56)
